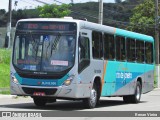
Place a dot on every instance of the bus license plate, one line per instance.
(39, 94)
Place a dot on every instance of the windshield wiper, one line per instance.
(35, 45)
(53, 46)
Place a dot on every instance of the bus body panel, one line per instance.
(78, 89)
(120, 78)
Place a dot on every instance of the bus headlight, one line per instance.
(14, 80)
(69, 80)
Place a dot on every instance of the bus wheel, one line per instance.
(127, 99)
(92, 100)
(39, 102)
(136, 97)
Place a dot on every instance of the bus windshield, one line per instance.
(44, 51)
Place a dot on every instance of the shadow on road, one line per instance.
(64, 105)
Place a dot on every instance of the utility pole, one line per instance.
(9, 23)
(100, 20)
(157, 42)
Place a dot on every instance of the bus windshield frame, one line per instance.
(46, 51)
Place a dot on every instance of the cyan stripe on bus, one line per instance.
(115, 75)
(41, 82)
(133, 35)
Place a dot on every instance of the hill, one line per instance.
(115, 14)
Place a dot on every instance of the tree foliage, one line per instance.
(143, 18)
(54, 11)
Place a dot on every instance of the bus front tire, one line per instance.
(136, 97)
(39, 102)
(93, 99)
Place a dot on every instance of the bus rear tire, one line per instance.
(127, 99)
(39, 102)
(137, 95)
(91, 102)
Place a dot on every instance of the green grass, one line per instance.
(5, 68)
(4, 75)
(5, 55)
(5, 92)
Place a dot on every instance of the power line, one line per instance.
(28, 2)
(41, 2)
(58, 1)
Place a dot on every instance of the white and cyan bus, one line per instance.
(79, 60)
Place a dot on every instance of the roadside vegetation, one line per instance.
(4, 70)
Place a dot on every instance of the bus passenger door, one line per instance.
(85, 73)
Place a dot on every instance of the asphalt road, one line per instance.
(149, 102)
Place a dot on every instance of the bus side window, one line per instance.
(120, 48)
(97, 45)
(84, 53)
(131, 53)
(140, 51)
(109, 47)
(148, 52)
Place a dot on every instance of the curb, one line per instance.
(156, 89)
(7, 96)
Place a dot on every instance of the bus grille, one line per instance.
(47, 91)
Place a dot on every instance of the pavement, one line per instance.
(7, 96)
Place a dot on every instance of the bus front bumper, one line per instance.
(71, 91)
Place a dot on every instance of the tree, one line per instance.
(3, 18)
(2, 11)
(143, 18)
(54, 11)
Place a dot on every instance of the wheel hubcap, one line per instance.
(138, 93)
(93, 97)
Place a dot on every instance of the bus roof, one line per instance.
(98, 27)
(134, 35)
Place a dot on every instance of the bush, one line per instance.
(5, 55)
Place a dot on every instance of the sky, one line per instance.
(28, 4)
